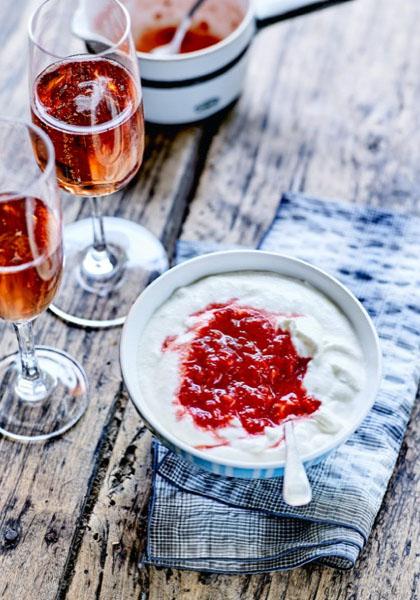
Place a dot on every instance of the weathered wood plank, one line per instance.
(332, 113)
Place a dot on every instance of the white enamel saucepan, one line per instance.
(188, 87)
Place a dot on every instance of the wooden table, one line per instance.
(334, 112)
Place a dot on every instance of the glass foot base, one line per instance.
(104, 302)
(51, 416)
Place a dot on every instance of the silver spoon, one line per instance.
(174, 45)
(296, 487)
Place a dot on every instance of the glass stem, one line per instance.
(99, 241)
(28, 360)
(32, 385)
(100, 265)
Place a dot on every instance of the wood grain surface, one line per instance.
(331, 108)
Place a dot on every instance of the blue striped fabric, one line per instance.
(202, 521)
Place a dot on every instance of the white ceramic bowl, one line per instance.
(244, 260)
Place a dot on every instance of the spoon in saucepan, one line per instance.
(296, 487)
(174, 45)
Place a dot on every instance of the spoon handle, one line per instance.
(195, 7)
(296, 487)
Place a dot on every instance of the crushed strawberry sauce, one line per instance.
(239, 365)
(196, 38)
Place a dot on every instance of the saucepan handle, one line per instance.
(268, 12)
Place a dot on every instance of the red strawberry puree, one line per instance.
(239, 365)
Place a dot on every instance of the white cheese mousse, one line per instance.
(321, 340)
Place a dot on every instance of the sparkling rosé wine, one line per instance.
(91, 109)
(31, 257)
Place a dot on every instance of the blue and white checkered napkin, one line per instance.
(209, 523)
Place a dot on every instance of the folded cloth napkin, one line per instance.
(209, 523)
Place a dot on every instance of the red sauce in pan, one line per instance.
(197, 37)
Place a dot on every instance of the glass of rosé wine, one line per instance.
(43, 392)
(86, 95)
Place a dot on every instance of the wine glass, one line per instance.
(43, 392)
(86, 94)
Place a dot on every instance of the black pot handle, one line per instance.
(268, 12)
